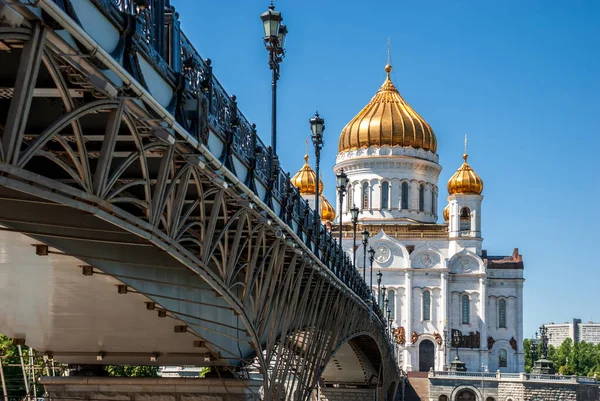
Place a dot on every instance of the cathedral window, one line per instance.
(385, 192)
(465, 219)
(421, 198)
(465, 309)
(502, 314)
(502, 359)
(392, 304)
(365, 195)
(404, 199)
(427, 305)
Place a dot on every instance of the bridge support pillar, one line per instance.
(77, 388)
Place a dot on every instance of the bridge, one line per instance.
(144, 222)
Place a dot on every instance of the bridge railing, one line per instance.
(153, 26)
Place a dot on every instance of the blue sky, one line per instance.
(521, 78)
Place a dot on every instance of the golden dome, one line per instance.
(327, 211)
(387, 121)
(465, 181)
(446, 213)
(306, 180)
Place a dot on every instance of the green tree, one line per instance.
(15, 384)
(528, 356)
(132, 371)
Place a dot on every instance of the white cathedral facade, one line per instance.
(444, 293)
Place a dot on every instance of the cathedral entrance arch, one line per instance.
(426, 355)
(466, 395)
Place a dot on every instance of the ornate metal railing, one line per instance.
(201, 104)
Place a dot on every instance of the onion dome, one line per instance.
(327, 211)
(465, 181)
(387, 121)
(447, 213)
(306, 180)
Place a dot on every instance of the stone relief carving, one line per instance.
(513, 343)
(400, 335)
(427, 260)
(382, 253)
(438, 338)
(465, 265)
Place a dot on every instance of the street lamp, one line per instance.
(354, 212)
(379, 275)
(274, 39)
(317, 126)
(342, 184)
(365, 241)
(371, 259)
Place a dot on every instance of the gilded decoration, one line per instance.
(465, 180)
(438, 338)
(387, 120)
(415, 337)
(306, 180)
(446, 213)
(327, 210)
(400, 334)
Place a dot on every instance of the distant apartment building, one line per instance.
(575, 330)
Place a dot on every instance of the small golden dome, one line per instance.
(446, 213)
(465, 180)
(387, 121)
(327, 211)
(306, 180)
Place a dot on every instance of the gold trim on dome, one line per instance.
(387, 120)
(446, 213)
(306, 180)
(327, 210)
(465, 180)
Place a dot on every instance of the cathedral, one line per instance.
(446, 298)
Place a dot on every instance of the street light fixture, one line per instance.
(354, 212)
(317, 127)
(274, 40)
(379, 275)
(365, 241)
(342, 184)
(371, 259)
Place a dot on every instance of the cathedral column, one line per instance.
(445, 322)
(414, 196)
(483, 319)
(408, 304)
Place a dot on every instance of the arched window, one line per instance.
(385, 193)
(502, 359)
(443, 398)
(490, 399)
(421, 198)
(404, 200)
(427, 305)
(465, 219)
(365, 195)
(502, 314)
(466, 395)
(392, 304)
(465, 309)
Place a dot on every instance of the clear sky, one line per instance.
(521, 78)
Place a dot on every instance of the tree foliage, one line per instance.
(132, 371)
(581, 359)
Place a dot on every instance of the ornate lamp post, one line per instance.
(371, 259)
(342, 184)
(317, 126)
(275, 33)
(365, 241)
(379, 275)
(354, 212)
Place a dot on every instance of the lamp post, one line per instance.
(379, 275)
(365, 241)
(275, 33)
(371, 259)
(354, 212)
(342, 183)
(317, 126)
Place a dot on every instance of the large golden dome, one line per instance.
(387, 121)
(327, 211)
(465, 181)
(306, 180)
